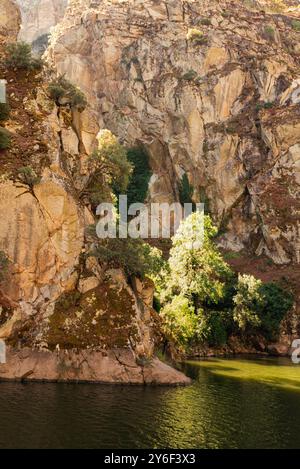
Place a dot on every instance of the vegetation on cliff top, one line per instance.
(19, 56)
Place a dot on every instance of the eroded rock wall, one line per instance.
(222, 105)
(10, 20)
(39, 16)
(63, 315)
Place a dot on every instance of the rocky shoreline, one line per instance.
(92, 366)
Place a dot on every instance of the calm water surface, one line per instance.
(231, 404)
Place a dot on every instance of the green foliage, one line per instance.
(266, 105)
(138, 187)
(179, 321)
(194, 34)
(196, 280)
(269, 32)
(212, 327)
(296, 25)
(259, 305)
(4, 111)
(276, 304)
(197, 268)
(109, 168)
(4, 264)
(28, 176)
(132, 255)
(5, 139)
(190, 75)
(203, 301)
(205, 21)
(62, 91)
(226, 14)
(247, 301)
(186, 190)
(19, 55)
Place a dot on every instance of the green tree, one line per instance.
(197, 269)
(247, 302)
(108, 168)
(259, 306)
(138, 187)
(179, 321)
(194, 284)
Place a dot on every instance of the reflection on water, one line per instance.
(232, 404)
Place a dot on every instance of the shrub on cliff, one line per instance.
(134, 256)
(28, 176)
(139, 180)
(19, 55)
(109, 169)
(296, 25)
(4, 264)
(5, 139)
(269, 33)
(4, 112)
(196, 36)
(186, 190)
(64, 92)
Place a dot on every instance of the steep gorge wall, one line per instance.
(224, 109)
(63, 316)
(39, 16)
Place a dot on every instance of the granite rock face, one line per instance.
(39, 16)
(112, 367)
(63, 315)
(211, 89)
(10, 20)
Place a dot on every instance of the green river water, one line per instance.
(232, 403)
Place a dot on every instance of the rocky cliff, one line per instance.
(39, 16)
(211, 89)
(63, 316)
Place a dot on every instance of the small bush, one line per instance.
(269, 32)
(186, 190)
(4, 111)
(205, 22)
(132, 255)
(139, 182)
(4, 139)
(62, 90)
(28, 176)
(266, 105)
(194, 34)
(296, 25)
(19, 55)
(190, 75)
(4, 264)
